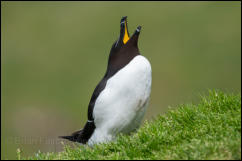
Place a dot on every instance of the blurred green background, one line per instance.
(54, 54)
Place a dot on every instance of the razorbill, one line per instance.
(120, 99)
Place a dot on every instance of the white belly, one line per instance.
(120, 107)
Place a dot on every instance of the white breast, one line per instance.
(120, 107)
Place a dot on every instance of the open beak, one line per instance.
(124, 34)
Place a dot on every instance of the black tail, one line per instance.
(73, 137)
(82, 136)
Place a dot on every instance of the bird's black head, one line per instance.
(125, 48)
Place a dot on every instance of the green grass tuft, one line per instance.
(209, 130)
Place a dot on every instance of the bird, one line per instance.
(119, 101)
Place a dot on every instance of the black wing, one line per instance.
(99, 88)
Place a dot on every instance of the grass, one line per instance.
(209, 130)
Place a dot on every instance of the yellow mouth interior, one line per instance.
(126, 35)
